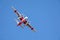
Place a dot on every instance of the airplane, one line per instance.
(23, 20)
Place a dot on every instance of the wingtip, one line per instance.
(13, 8)
(34, 30)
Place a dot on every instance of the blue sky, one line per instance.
(44, 16)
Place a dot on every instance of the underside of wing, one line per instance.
(31, 27)
(17, 13)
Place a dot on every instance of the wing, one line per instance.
(17, 13)
(31, 27)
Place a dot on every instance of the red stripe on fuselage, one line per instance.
(21, 18)
(24, 21)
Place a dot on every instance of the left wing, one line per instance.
(17, 13)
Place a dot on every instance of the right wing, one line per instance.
(31, 27)
(17, 13)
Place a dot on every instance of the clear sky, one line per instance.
(44, 16)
